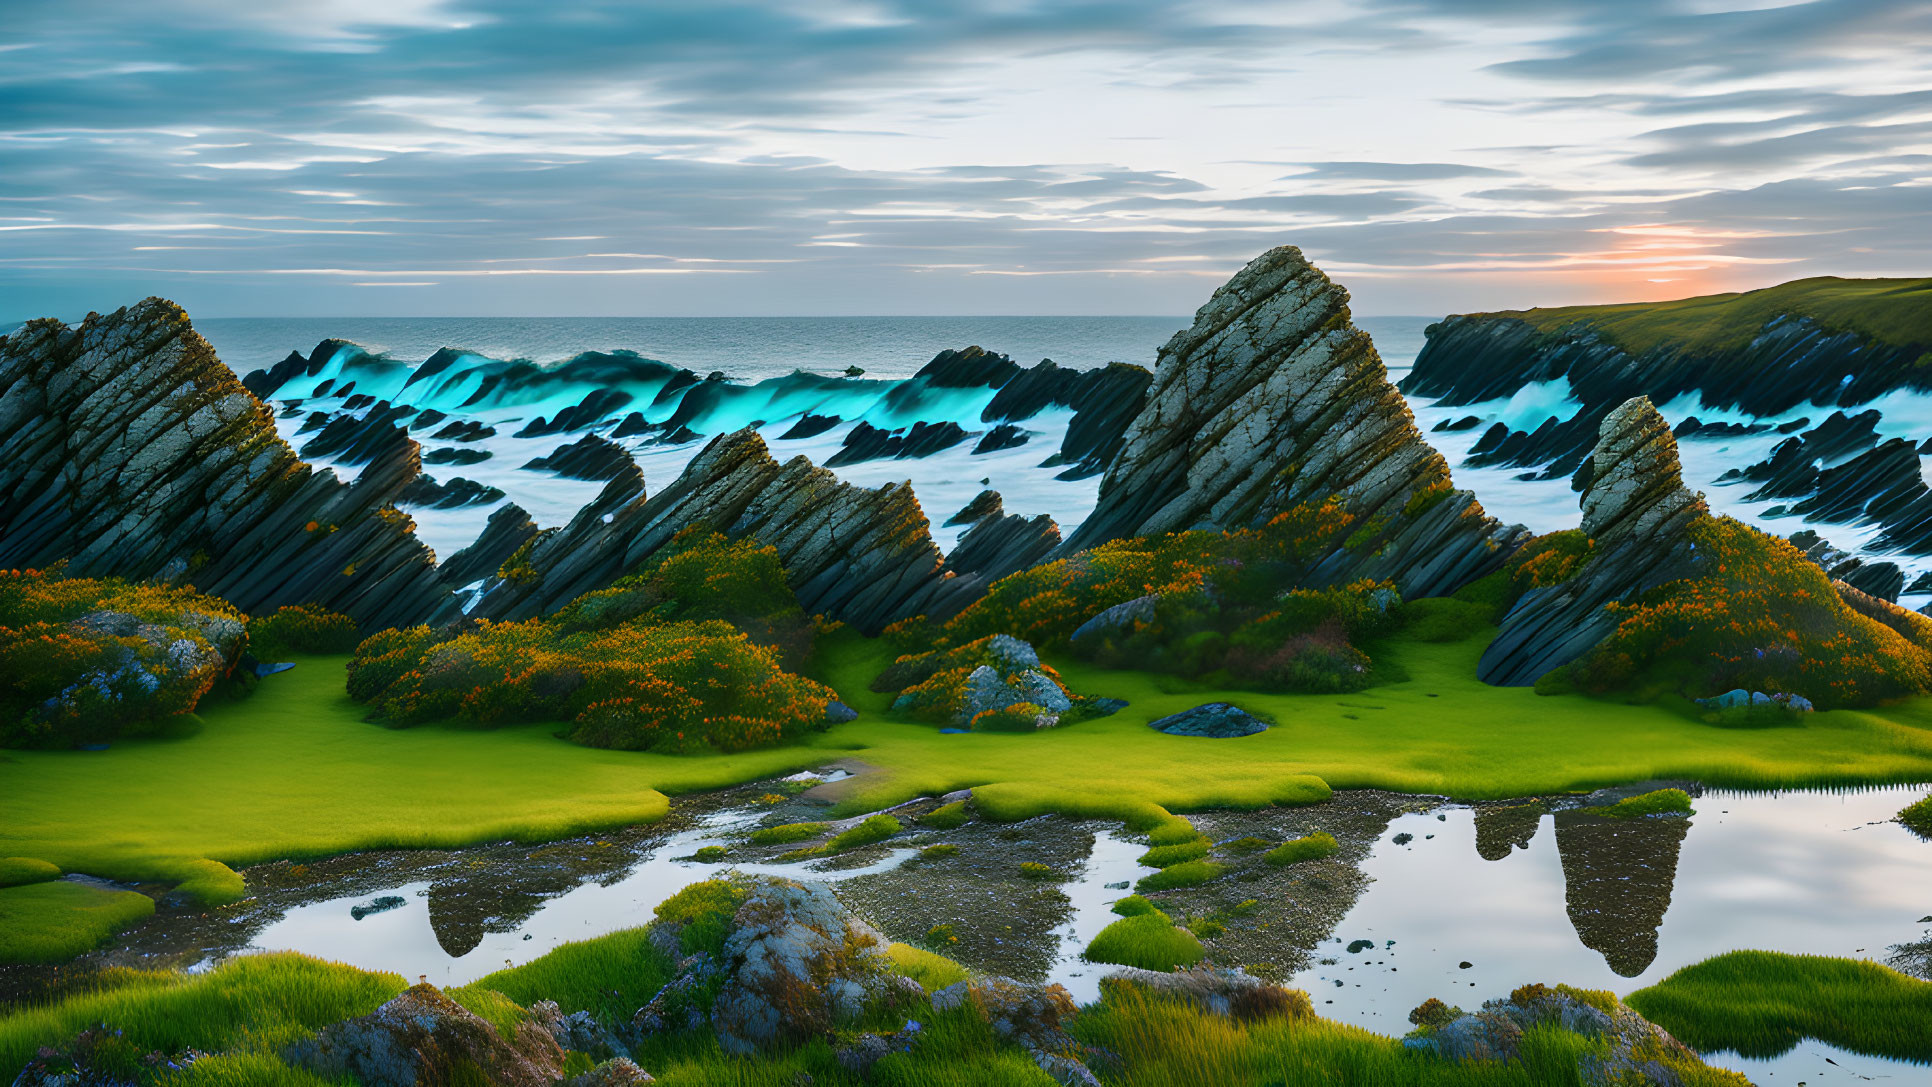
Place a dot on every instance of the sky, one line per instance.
(545, 157)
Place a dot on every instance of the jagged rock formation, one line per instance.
(125, 446)
(457, 493)
(1881, 579)
(509, 528)
(852, 553)
(1002, 544)
(1636, 510)
(589, 457)
(1274, 398)
(866, 442)
(985, 504)
(422, 1036)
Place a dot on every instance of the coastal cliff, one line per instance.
(1820, 341)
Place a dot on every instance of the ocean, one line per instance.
(745, 348)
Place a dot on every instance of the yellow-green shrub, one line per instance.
(83, 660)
(301, 628)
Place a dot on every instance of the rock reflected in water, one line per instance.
(1617, 879)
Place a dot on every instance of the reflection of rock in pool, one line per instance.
(1501, 828)
(386, 902)
(1617, 878)
(456, 916)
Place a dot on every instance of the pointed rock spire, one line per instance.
(1273, 398)
(1636, 512)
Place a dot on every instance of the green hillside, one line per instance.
(1892, 311)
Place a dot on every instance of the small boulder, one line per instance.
(1216, 720)
(797, 964)
(422, 1036)
(620, 1072)
(1119, 617)
(838, 713)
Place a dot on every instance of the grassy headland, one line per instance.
(1892, 311)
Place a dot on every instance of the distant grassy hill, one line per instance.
(1890, 311)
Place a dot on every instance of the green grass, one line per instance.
(1164, 856)
(1893, 311)
(933, 971)
(55, 921)
(1161, 1043)
(1659, 802)
(946, 816)
(1184, 874)
(294, 771)
(876, 828)
(788, 832)
(1134, 906)
(1311, 848)
(254, 1002)
(1762, 1003)
(1917, 817)
(15, 871)
(1147, 940)
(609, 976)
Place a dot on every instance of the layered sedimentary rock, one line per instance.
(127, 448)
(1636, 510)
(853, 553)
(508, 529)
(1271, 399)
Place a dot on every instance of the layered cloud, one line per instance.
(914, 156)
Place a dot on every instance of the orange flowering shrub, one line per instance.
(1301, 640)
(685, 656)
(1757, 616)
(706, 576)
(1222, 604)
(1045, 604)
(1018, 717)
(301, 628)
(677, 686)
(84, 660)
(1547, 560)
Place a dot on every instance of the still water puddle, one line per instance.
(1462, 903)
(1479, 901)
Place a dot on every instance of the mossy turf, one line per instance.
(1148, 940)
(1894, 311)
(1763, 1003)
(294, 771)
(256, 1001)
(15, 871)
(56, 920)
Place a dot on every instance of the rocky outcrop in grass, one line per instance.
(1273, 399)
(858, 554)
(1637, 511)
(128, 449)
